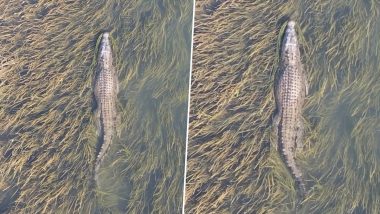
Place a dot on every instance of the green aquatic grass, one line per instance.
(233, 165)
(48, 133)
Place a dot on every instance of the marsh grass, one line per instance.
(48, 135)
(233, 165)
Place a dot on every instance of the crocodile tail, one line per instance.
(96, 173)
(301, 185)
(302, 192)
(297, 175)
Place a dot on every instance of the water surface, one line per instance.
(233, 165)
(48, 134)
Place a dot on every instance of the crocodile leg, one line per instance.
(299, 134)
(98, 125)
(306, 85)
(118, 124)
(276, 123)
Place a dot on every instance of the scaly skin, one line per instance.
(291, 90)
(106, 87)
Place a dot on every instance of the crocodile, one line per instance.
(106, 89)
(290, 92)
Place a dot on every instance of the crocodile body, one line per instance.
(291, 89)
(106, 89)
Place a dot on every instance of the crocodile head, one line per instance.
(290, 37)
(291, 24)
(106, 35)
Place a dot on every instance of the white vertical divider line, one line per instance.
(188, 111)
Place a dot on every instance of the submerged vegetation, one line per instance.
(47, 128)
(233, 166)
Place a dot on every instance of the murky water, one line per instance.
(48, 134)
(232, 161)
